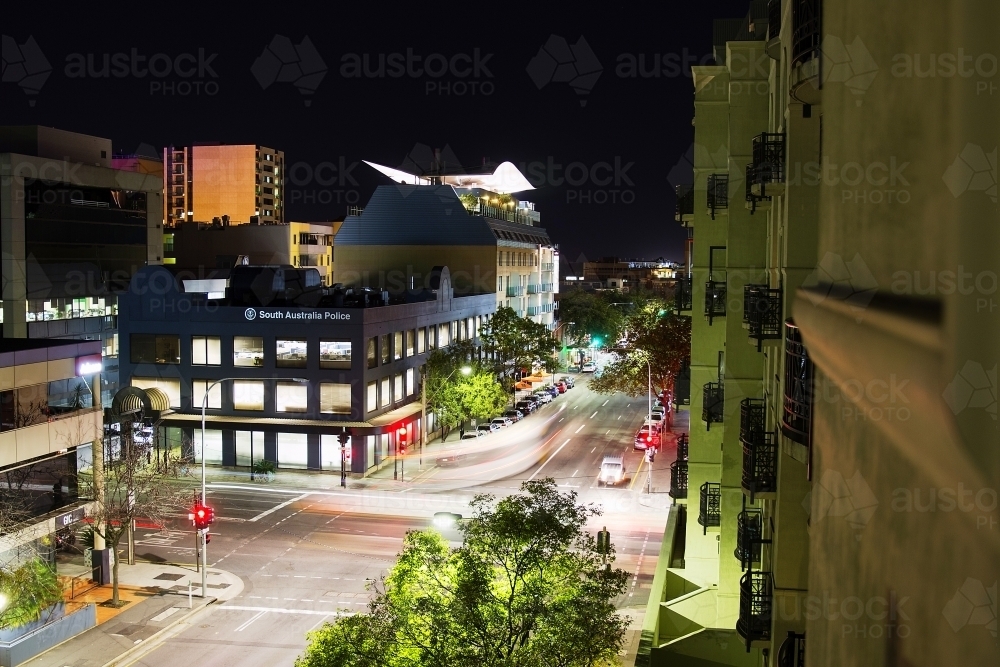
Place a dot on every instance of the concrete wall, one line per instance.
(473, 268)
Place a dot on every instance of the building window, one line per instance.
(206, 351)
(453, 328)
(198, 394)
(397, 387)
(249, 447)
(385, 393)
(410, 384)
(443, 337)
(397, 345)
(410, 342)
(248, 351)
(334, 399)
(172, 388)
(372, 354)
(420, 340)
(248, 395)
(431, 337)
(291, 397)
(290, 353)
(371, 402)
(465, 329)
(329, 452)
(212, 446)
(335, 354)
(293, 450)
(155, 349)
(69, 395)
(384, 342)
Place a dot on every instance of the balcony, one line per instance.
(715, 299)
(796, 419)
(760, 450)
(548, 307)
(682, 294)
(756, 600)
(548, 266)
(773, 19)
(752, 201)
(515, 290)
(767, 178)
(679, 479)
(749, 537)
(534, 310)
(709, 505)
(546, 287)
(682, 385)
(805, 82)
(762, 313)
(792, 652)
(684, 211)
(534, 289)
(718, 193)
(713, 401)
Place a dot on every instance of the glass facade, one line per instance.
(329, 452)
(70, 308)
(293, 450)
(385, 395)
(397, 345)
(170, 387)
(212, 446)
(249, 447)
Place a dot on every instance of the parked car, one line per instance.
(488, 428)
(646, 437)
(502, 421)
(659, 410)
(612, 470)
(570, 382)
(543, 396)
(657, 421)
(527, 407)
(561, 387)
(473, 435)
(514, 415)
(589, 367)
(553, 392)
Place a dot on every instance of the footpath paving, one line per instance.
(158, 603)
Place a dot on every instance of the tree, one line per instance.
(590, 315)
(482, 397)
(135, 486)
(527, 587)
(651, 333)
(512, 343)
(455, 396)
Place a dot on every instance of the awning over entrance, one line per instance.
(300, 425)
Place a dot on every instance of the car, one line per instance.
(612, 470)
(543, 396)
(658, 419)
(502, 421)
(561, 387)
(449, 461)
(527, 407)
(488, 428)
(473, 435)
(553, 392)
(570, 382)
(514, 415)
(647, 437)
(659, 410)
(589, 367)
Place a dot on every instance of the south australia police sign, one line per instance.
(295, 314)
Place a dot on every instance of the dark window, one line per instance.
(156, 349)
(7, 410)
(372, 354)
(386, 350)
(68, 395)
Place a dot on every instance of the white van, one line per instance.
(612, 470)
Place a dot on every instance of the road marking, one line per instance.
(547, 460)
(636, 475)
(579, 429)
(593, 415)
(605, 403)
(280, 610)
(591, 451)
(277, 507)
(318, 623)
(608, 432)
(574, 473)
(562, 419)
(252, 619)
(619, 416)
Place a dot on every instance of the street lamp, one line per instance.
(204, 407)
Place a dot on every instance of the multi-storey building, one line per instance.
(207, 181)
(73, 231)
(841, 482)
(631, 274)
(490, 240)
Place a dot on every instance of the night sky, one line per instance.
(254, 88)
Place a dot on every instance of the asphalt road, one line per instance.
(306, 555)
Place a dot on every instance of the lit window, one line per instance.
(397, 387)
(385, 393)
(372, 354)
(335, 399)
(248, 351)
(206, 351)
(248, 395)
(198, 394)
(290, 353)
(172, 388)
(335, 354)
(293, 450)
(385, 350)
(397, 345)
(420, 341)
(410, 384)
(291, 397)
(371, 402)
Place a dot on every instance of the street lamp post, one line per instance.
(204, 407)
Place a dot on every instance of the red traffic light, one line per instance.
(201, 516)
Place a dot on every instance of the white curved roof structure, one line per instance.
(505, 179)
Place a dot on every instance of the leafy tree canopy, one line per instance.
(514, 342)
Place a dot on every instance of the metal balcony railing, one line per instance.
(768, 162)
(515, 290)
(796, 420)
(762, 313)
(713, 401)
(760, 449)
(756, 603)
(807, 29)
(792, 652)
(533, 310)
(773, 18)
(682, 385)
(749, 537)
(533, 289)
(682, 447)
(546, 287)
(718, 193)
(685, 202)
(679, 479)
(715, 299)
(548, 307)
(548, 266)
(752, 200)
(709, 505)
(682, 294)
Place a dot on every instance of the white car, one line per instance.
(612, 470)
(589, 367)
(501, 421)
(544, 397)
(472, 435)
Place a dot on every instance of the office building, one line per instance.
(843, 385)
(631, 274)
(360, 352)
(73, 231)
(207, 181)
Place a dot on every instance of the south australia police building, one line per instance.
(300, 363)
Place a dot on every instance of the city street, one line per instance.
(306, 554)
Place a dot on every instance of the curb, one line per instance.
(153, 641)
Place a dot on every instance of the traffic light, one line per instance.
(201, 516)
(401, 441)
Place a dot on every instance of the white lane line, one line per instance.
(277, 507)
(574, 473)
(591, 451)
(619, 416)
(562, 419)
(279, 610)
(252, 619)
(318, 623)
(548, 459)
(608, 432)
(579, 429)
(593, 415)
(605, 403)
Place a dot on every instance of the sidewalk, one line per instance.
(157, 600)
